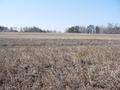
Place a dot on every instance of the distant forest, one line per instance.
(109, 29)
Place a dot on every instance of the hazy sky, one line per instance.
(58, 14)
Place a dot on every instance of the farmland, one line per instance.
(57, 61)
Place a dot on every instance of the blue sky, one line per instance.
(58, 14)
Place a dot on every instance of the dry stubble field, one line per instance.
(34, 61)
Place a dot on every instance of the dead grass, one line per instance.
(60, 68)
(56, 42)
(59, 64)
(30, 35)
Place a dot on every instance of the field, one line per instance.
(58, 36)
(52, 61)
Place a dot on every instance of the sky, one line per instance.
(58, 14)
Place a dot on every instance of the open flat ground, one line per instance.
(29, 35)
(43, 61)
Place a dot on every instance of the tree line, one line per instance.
(109, 29)
(23, 29)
